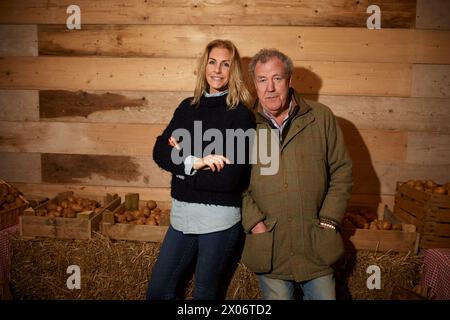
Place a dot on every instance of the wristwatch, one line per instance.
(329, 224)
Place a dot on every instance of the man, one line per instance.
(292, 218)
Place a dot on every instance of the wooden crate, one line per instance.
(405, 240)
(125, 231)
(10, 217)
(429, 212)
(80, 227)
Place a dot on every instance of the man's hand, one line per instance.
(260, 227)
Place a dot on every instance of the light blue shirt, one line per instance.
(199, 218)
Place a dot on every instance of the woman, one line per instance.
(207, 182)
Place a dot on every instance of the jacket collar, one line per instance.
(301, 119)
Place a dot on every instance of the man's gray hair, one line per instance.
(265, 55)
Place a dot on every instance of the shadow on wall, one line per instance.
(366, 181)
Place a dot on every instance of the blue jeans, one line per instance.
(322, 288)
(214, 252)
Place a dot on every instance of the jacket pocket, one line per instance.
(258, 249)
(327, 244)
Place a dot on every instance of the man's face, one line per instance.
(272, 86)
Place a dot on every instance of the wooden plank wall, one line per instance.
(80, 109)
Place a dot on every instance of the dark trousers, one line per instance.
(214, 252)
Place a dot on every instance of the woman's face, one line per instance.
(218, 69)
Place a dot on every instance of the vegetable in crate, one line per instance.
(10, 196)
(149, 215)
(68, 208)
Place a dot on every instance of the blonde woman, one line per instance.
(207, 183)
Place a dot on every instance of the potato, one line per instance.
(373, 226)
(10, 198)
(386, 225)
(157, 219)
(379, 224)
(151, 204)
(137, 214)
(150, 221)
(53, 211)
(141, 220)
(411, 183)
(440, 190)
(419, 183)
(85, 203)
(368, 214)
(419, 187)
(64, 204)
(397, 226)
(51, 206)
(122, 218)
(4, 190)
(357, 220)
(145, 211)
(14, 191)
(430, 184)
(129, 216)
(41, 212)
(156, 211)
(76, 207)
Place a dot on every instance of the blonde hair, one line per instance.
(237, 89)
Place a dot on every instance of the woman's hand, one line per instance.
(172, 142)
(213, 162)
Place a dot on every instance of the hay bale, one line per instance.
(119, 270)
(109, 270)
(398, 269)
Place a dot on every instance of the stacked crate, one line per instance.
(428, 211)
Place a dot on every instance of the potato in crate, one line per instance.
(137, 220)
(12, 204)
(426, 205)
(66, 216)
(376, 229)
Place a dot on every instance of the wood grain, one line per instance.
(103, 170)
(19, 105)
(155, 74)
(395, 14)
(300, 43)
(430, 81)
(20, 167)
(78, 138)
(387, 113)
(18, 40)
(433, 14)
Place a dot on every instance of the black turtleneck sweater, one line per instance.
(219, 188)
